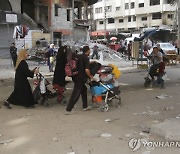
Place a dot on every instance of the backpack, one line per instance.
(71, 67)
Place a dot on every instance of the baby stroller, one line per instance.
(105, 92)
(44, 90)
(158, 71)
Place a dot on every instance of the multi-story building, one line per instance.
(55, 17)
(132, 15)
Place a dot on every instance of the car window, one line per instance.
(166, 45)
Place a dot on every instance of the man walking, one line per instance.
(13, 53)
(79, 81)
(95, 52)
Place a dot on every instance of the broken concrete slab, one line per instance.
(168, 129)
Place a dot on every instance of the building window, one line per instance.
(141, 4)
(134, 18)
(56, 7)
(110, 20)
(68, 14)
(126, 6)
(156, 16)
(121, 20)
(144, 18)
(154, 2)
(108, 8)
(131, 29)
(132, 5)
(170, 16)
(168, 1)
(101, 22)
(129, 19)
(98, 10)
(118, 8)
(120, 30)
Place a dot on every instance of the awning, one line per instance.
(83, 23)
(91, 2)
(99, 33)
(125, 34)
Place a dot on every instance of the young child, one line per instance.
(161, 72)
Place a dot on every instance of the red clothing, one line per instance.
(161, 67)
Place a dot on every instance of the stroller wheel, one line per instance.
(105, 108)
(110, 103)
(46, 104)
(117, 101)
(146, 85)
(147, 82)
(64, 101)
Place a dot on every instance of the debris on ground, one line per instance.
(106, 135)
(108, 120)
(71, 153)
(5, 142)
(146, 130)
(178, 117)
(149, 113)
(55, 139)
(163, 96)
(156, 121)
(128, 135)
(111, 120)
(168, 108)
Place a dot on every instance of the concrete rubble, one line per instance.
(169, 129)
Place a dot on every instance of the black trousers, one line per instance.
(79, 89)
(95, 53)
(14, 59)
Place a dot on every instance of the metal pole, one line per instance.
(178, 3)
(105, 19)
(72, 32)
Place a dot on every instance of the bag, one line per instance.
(37, 93)
(71, 68)
(51, 59)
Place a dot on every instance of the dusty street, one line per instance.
(49, 131)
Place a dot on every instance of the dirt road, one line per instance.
(49, 131)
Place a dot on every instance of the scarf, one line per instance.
(21, 56)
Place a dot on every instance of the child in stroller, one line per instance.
(159, 72)
(106, 91)
(44, 89)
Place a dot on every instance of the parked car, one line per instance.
(168, 48)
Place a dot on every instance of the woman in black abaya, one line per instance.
(22, 94)
(59, 73)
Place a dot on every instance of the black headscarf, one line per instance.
(59, 73)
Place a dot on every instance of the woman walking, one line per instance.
(22, 94)
(59, 73)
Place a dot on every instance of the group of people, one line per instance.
(126, 48)
(22, 93)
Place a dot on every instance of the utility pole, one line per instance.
(178, 3)
(72, 32)
(105, 37)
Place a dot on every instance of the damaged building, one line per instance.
(62, 19)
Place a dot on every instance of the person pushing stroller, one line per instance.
(157, 68)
